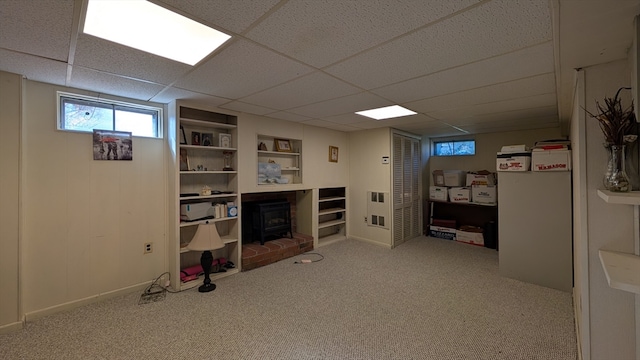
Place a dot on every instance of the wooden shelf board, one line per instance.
(193, 223)
(208, 196)
(621, 269)
(329, 239)
(332, 198)
(331, 223)
(628, 198)
(207, 172)
(210, 124)
(200, 147)
(215, 276)
(278, 153)
(331, 211)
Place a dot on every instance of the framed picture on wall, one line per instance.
(282, 145)
(112, 145)
(333, 154)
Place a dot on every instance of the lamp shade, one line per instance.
(206, 238)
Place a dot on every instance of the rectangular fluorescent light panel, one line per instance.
(151, 28)
(387, 112)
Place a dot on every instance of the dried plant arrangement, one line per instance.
(615, 122)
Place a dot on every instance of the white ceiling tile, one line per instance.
(517, 115)
(497, 27)
(532, 61)
(246, 108)
(243, 68)
(330, 125)
(284, 115)
(110, 84)
(320, 32)
(302, 91)
(347, 104)
(171, 93)
(234, 15)
(102, 55)
(34, 67)
(535, 85)
(536, 101)
(38, 28)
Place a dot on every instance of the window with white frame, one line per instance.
(454, 148)
(84, 113)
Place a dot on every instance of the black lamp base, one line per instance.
(205, 261)
(207, 287)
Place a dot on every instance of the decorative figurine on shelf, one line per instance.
(227, 160)
(206, 191)
(262, 147)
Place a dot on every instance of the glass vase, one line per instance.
(616, 178)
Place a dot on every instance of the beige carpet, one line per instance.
(427, 299)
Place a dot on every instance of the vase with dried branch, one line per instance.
(617, 125)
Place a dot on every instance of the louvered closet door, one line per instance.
(406, 188)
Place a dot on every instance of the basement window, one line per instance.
(454, 148)
(85, 113)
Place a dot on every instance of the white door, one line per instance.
(406, 188)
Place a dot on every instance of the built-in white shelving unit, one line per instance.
(205, 161)
(279, 154)
(332, 215)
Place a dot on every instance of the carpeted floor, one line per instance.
(426, 299)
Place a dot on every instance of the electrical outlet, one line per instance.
(148, 248)
(365, 219)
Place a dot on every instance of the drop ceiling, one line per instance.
(465, 66)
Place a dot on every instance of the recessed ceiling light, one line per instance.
(387, 112)
(148, 27)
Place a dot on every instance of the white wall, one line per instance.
(10, 106)
(85, 221)
(367, 173)
(611, 312)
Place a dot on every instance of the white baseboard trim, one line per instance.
(12, 327)
(388, 246)
(30, 316)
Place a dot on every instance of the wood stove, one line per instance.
(266, 220)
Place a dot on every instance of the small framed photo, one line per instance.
(206, 139)
(224, 140)
(195, 138)
(184, 160)
(282, 145)
(333, 154)
(183, 137)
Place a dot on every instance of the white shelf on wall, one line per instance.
(624, 198)
(622, 270)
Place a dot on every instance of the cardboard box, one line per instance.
(442, 232)
(513, 161)
(476, 179)
(438, 193)
(551, 160)
(454, 178)
(438, 177)
(484, 194)
(470, 235)
(460, 195)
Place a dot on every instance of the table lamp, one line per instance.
(206, 239)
